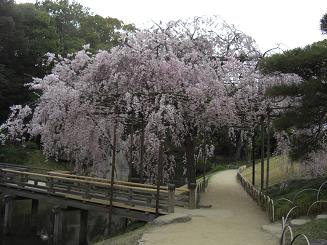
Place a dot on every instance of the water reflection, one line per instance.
(21, 240)
(21, 232)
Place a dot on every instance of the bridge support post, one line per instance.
(57, 225)
(83, 227)
(7, 222)
(171, 198)
(34, 211)
(192, 200)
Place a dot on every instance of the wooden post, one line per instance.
(171, 198)
(86, 193)
(268, 150)
(49, 184)
(7, 223)
(57, 225)
(34, 211)
(159, 176)
(262, 154)
(192, 200)
(253, 159)
(83, 227)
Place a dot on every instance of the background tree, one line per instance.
(67, 18)
(323, 24)
(102, 33)
(26, 35)
(76, 26)
(30, 31)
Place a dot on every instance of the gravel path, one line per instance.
(233, 219)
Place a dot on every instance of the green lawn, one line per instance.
(285, 182)
(314, 230)
(29, 156)
(280, 171)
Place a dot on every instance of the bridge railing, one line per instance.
(181, 194)
(128, 195)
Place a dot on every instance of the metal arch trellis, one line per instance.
(313, 204)
(320, 189)
(298, 236)
(304, 190)
(285, 199)
(284, 231)
(288, 228)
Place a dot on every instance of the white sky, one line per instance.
(292, 23)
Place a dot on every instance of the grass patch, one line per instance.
(29, 156)
(279, 171)
(292, 191)
(218, 168)
(285, 182)
(314, 230)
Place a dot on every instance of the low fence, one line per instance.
(263, 200)
(201, 185)
(267, 203)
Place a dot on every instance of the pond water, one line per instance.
(21, 233)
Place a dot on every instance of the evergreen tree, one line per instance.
(308, 113)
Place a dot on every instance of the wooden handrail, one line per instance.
(54, 173)
(97, 183)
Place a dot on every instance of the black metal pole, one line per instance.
(253, 159)
(268, 151)
(262, 153)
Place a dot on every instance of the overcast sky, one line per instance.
(292, 23)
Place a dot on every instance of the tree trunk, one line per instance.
(113, 162)
(189, 150)
(204, 157)
(253, 159)
(131, 154)
(159, 177)
(239, 146)
(142, 152)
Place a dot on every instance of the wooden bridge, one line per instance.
(66, 191)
